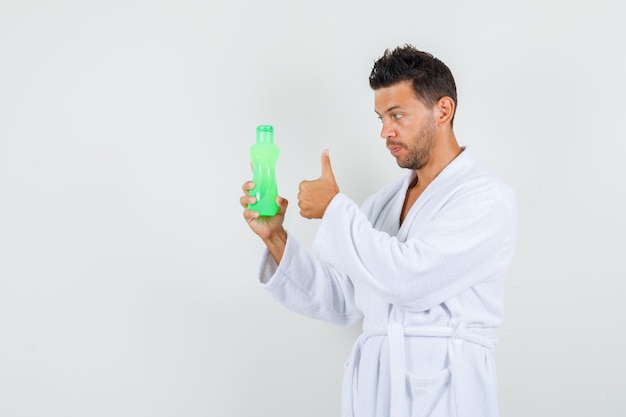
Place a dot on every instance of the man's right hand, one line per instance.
(269, 229)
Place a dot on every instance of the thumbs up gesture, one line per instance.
(315, 195)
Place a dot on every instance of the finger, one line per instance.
(327, 170)
(250, 215)
(244, 200)
(247, 186)
(304, 208)
(282, 204)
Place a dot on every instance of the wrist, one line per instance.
(276, 243)
(276, 237)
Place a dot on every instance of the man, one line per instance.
(422, 262)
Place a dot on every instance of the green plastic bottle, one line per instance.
(264, 154)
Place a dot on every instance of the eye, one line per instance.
(397, 116)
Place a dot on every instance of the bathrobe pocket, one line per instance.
(430, 395)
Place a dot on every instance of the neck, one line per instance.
(446, 149)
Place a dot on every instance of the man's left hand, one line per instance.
(315, 195)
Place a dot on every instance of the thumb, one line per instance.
(282, 204)
(327, 170)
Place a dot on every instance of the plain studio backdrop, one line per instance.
(127, 274)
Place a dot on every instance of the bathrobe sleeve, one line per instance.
(469, 240)
(309, 286)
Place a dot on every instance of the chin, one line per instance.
(405, 165)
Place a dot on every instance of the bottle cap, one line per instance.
(265, 134)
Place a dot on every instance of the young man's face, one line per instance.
(408, 125)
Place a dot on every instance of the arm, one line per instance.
(470, 240)
(309, 286)
(296, 278)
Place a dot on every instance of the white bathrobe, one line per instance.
(429, 291)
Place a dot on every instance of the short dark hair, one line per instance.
(431, 78)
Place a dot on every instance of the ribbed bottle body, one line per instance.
(264, 155)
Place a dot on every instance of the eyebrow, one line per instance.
(389, 109)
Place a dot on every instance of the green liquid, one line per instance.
(264, 154)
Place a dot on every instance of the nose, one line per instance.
(387, 130)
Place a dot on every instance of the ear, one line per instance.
(444, 111)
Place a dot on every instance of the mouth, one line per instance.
(394, 149)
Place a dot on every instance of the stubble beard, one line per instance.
(419, 150)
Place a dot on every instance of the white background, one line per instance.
(127, 275)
